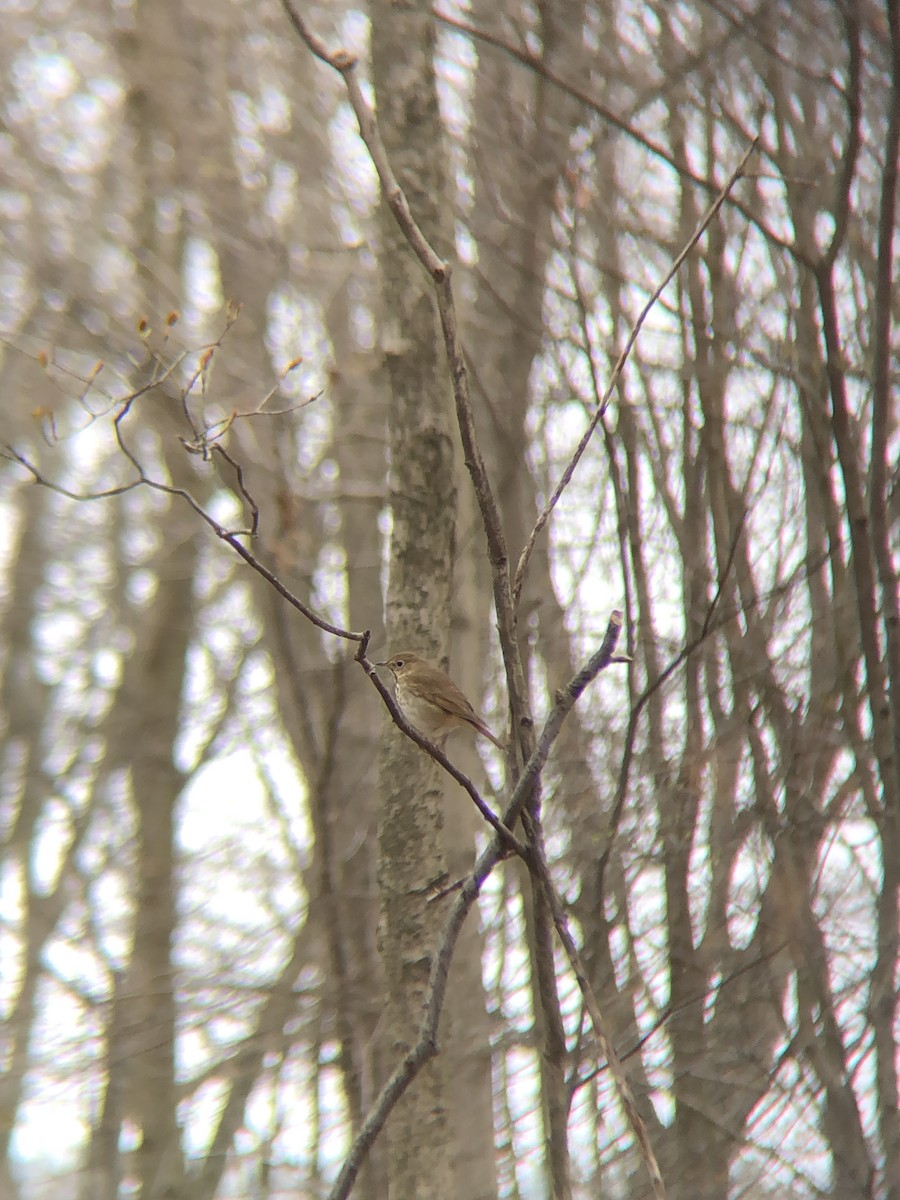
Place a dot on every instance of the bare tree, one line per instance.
(620, 334)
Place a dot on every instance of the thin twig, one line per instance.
(231, 537)
(242, 487)
(599, 412)
(14, 455)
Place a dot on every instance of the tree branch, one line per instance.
(440, 272)
(426, 1045)
(231, 537)
(569, 471)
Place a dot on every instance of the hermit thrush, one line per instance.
(430, 700)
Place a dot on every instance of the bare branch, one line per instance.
(599, 412)
(426, 1045)
(607, 1049)
(613, 119)
(537, 863)
(242, 487)
(12, 455)
(231, 537)
(500, 829)
(440, 272)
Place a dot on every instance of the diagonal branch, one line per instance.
(426, 1046)
(502, 831)
(440, 272)
(142, 479)
(627, 126)
(599, 412)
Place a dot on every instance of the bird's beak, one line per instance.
(381, 664)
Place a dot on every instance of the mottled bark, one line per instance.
(423, 510)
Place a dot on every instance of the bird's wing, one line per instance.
(452, 701)
(448, 697)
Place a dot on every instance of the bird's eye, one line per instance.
(398, 662)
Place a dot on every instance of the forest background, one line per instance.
(249, 408)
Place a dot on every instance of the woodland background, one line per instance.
(213, 839)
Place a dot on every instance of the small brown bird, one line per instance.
(430, 700)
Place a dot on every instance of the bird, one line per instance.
(430, 700)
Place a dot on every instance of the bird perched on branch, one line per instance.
(430, 700)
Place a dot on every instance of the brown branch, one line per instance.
(426, 1044)
(565, 701)
(13, 455)
(883, 462)
(142, 479)
(600, 410)
(490, 515)
(849, 156)
(504, 832)
(345, 64)
(537, 863)
(607, 1049)
(242, 487)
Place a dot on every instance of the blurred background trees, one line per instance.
(192, 963)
